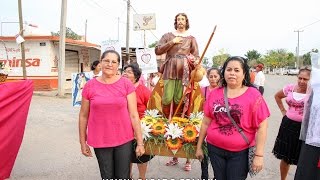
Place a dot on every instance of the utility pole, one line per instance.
(127, 37)
(85, 31)
(298, 48)
(62, 44)
(23, 56)
(118, 27)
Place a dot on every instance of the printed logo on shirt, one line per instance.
(225, 125)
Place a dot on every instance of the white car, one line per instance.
(294, 71)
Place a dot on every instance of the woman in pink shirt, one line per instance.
(287, 146)
(228, 150)
(213, 76)
(109, 119)
(133, 73)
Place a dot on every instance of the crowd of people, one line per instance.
(235, 121)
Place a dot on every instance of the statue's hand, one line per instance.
(177, 40)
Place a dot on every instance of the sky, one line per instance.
(242, 25)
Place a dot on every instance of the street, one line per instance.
(50, 148)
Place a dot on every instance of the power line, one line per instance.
(103, 10)
(308, 25)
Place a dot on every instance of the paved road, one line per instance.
(50, 148)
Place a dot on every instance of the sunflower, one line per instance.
(180, 121)
(158, 128)
(148, 120)
(196, 122)
(174, 144)
(190, 133)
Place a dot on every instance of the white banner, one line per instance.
(111, 45)
(144, 22)
(146, 58)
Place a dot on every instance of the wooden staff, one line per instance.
(192, 77)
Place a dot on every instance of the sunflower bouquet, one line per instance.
(177, 137)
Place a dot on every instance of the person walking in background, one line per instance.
(308, 166)
(252, 75)
(182, 55)
(228, 150)
(108, 120)
(287, 145)
(133, 73)
(95, 70)
(213, 76)
(259, 78)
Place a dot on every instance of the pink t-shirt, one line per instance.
(109, 123)
(206, 92)
(295, 105)
(248, 110)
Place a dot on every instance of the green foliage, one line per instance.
(278, 58)
(219, 59)
(153, 44)
(69, 34)
(205, 61)
(253, 55)
(306, 59)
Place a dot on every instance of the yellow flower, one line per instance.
(158, 128)
(196, 122)
(174, 144)
(180, 119)
(148, 120)
(190, 133)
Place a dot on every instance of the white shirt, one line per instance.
(259, 79)
(92, 75)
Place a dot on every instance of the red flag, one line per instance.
(15, 98)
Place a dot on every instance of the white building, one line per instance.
(41, 55)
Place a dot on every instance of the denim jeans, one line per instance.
(204, 168)
(228, 165)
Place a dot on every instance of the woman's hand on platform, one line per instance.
(140, 151)
(85, 149)
(199, 154)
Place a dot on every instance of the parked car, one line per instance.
(292, 71)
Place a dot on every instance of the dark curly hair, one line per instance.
(94, 65)
(176, 23)
(245, 67)
(136, 71)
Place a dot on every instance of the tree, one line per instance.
(69, 34)
(278, 58)
(219, 59)
(306, 59)
(205, 62)
(252, 55)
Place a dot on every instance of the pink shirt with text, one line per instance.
(109, 123)
(248, 110)
(295, 107)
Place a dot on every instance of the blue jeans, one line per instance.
(228, 165)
